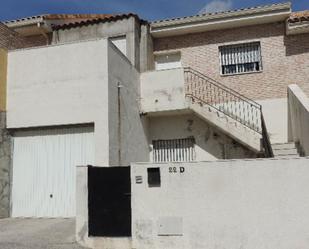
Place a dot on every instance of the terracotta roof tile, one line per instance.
(75, 16)
(224, 12)
(300, 16)
(97, 19)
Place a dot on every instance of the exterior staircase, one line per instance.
(234, 114)
(285, 150)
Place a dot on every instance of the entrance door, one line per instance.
(109, 201)
(44, 163)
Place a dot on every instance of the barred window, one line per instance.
(174, 150)
(241, 58)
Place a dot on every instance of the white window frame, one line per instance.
(240, 67)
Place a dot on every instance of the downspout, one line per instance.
(119, 123)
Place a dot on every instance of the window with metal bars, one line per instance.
(241, 58)
(174, 150)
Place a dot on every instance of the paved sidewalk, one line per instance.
(38, 234)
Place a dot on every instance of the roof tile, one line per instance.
(300, 16)
(97, 19)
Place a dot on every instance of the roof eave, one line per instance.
(221, 21)
(24, 22)
(297, 28)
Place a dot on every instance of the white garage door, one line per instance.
(44, 166)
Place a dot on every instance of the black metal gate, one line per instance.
(109, 201)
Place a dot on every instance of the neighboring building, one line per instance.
(8, 40)
(109, 90)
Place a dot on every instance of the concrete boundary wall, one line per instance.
(298, 118)
(252, 204)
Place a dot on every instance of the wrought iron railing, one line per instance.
(205, 90)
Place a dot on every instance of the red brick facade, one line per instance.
(285, 58)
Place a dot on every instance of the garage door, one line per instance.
(44, 166)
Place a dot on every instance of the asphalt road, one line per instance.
(37, 234)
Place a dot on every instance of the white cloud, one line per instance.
(216, 6)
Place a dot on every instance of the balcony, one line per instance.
(163, 91)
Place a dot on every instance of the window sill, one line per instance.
(236, 74)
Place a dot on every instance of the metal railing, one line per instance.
(204, 90)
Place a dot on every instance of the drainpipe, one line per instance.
(119, 86)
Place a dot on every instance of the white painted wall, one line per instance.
(77, 83)
(133, 143)
(298, 109)
(211, 144)
(125, 27)
(275, 115)
(61, 85)
(163, 90)
(252, 204)
(121, 43)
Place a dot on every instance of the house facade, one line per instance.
(111, 90)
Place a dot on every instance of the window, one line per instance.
(174, 150)
(241, 58)
(167, 61)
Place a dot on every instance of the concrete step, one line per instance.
(280, 146)
(287, 156)
(278, 152)
(285, 150)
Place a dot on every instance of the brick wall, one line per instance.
(9, 39)
(285, 58)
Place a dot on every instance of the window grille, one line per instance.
(174, 150)
(241, 58)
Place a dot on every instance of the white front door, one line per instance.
(44, 163)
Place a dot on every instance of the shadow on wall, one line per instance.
(210, 143)
(296, 44)
(221, 146)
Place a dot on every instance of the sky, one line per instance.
(147, 9)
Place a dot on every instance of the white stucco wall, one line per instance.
(163, 90)
(252, 204)
(124, 27)
(298, 111)
(61, 85)
(133, 143)
(211, 144)
(275, 115)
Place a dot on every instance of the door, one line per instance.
(109, 201)
(44, 163)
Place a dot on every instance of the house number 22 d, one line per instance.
(176, 170)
